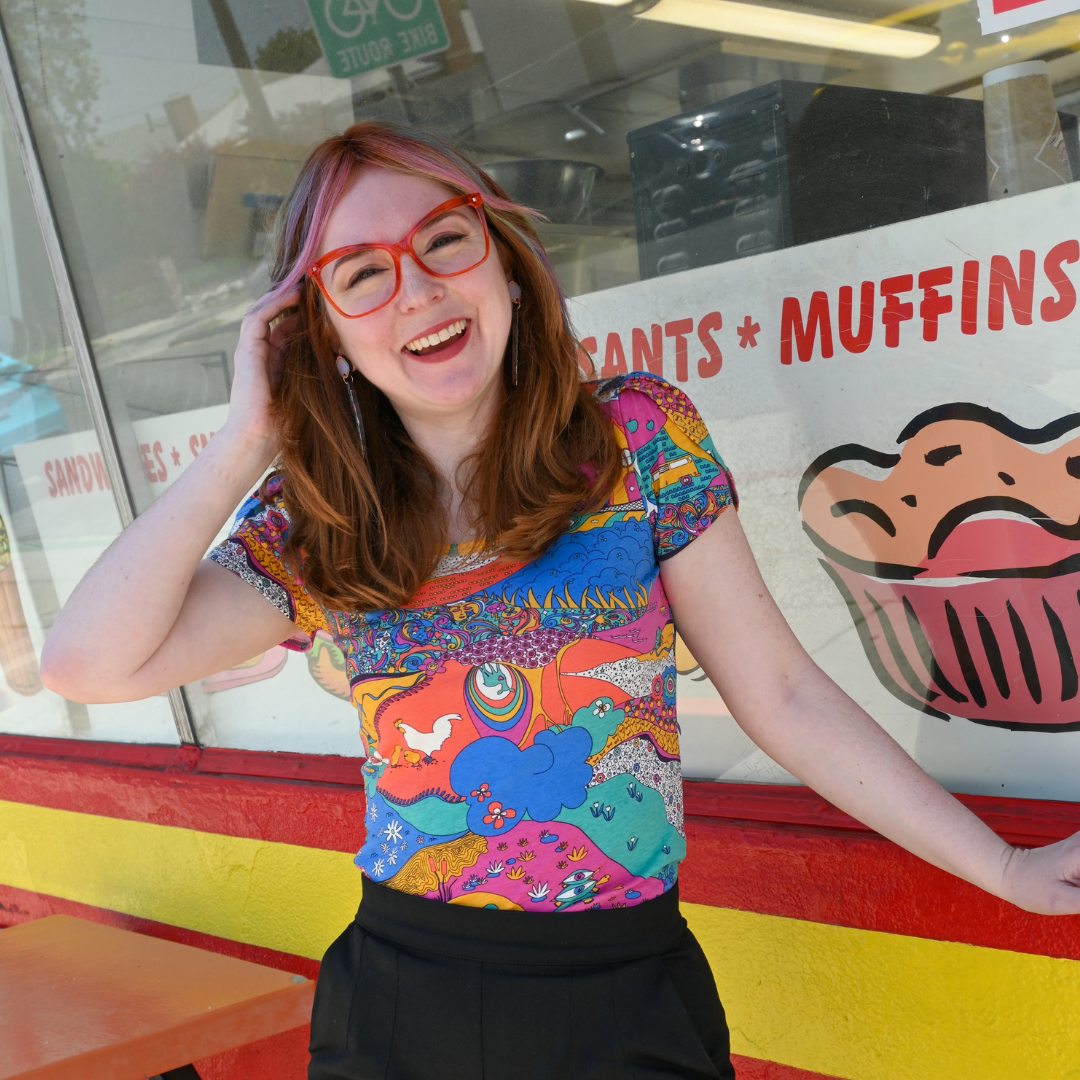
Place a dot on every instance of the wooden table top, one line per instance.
(81, 1001)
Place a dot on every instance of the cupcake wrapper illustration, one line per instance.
(1000, 652)
(960, 567)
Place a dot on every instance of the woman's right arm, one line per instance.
(151, 614)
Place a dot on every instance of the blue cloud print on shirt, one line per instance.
(540, 780)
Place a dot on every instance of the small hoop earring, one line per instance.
(515, 299)
(345, 370)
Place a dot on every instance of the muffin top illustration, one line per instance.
(971, 494)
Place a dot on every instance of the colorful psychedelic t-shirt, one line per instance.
(519, 718)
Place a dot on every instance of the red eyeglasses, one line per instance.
(362, 278)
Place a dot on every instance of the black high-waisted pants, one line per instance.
(419, 990)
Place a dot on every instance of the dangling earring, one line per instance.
(346, 372)
(515, 299)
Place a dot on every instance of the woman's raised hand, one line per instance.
(257, 371)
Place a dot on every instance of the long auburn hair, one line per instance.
(365, 533)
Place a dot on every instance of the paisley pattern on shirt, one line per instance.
(519, 719)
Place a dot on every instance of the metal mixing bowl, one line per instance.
(558, 189)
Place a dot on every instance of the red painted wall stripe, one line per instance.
(753, 1069)
(322, 768)
(864, 882)
(781, 851)
(314, 815)
(1029, 822)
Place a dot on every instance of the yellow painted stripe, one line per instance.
(280, 896)
(848, 1003)
(871, 1006)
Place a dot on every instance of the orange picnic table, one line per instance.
(81, 1001)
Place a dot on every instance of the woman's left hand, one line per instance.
(1045, 880)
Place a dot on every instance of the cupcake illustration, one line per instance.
(959, 560)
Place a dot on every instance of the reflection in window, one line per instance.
(56, 509)
(655, 135)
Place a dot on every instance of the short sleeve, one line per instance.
(683, 480)
(253, 552)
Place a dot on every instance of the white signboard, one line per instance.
(265, 703)
(900, 410)
(169, 444)
(72, 502)
(69, 489)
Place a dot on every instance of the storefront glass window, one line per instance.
(784, 208)
(56, 508)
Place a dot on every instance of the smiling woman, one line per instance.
(484, 471)
(492, 556)
(508, 445)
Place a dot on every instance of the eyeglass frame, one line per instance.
(403, 247)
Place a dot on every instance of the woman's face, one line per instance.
(458, 375)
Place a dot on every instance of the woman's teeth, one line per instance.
(445, 334)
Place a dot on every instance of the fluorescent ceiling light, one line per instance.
(797, 27)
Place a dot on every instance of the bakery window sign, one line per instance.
(902, 406)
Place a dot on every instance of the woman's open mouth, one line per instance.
(441, 344)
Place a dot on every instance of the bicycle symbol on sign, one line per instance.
(341, 19)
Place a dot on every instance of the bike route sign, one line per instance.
(359, 36)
